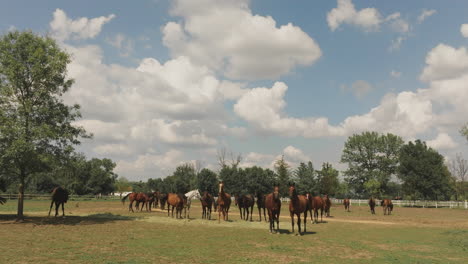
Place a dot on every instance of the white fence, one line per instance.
(410, 203)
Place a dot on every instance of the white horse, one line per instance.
(195, 194)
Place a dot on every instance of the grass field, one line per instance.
(105, 232)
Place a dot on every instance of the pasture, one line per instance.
(103, 231)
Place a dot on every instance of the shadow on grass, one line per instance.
(67, 220)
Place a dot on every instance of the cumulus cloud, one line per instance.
(445, 62)
(64, 28)
(123, 44)
(441, 142)
(292, 155)
(368, 19)
(464, 30)
(228, 38)
(425, 13)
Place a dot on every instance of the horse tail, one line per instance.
(125, 197)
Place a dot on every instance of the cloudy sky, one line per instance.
(162, 82)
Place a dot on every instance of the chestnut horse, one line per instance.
(207, 203)
(372, 205)
(261, 205)
(346, 204)
(177, 202)
(145, 199)
(297, 206)
(273, 205)
(59, 197)
(244, 202)
(387, 206)
(326, 205)
(315, 204)
(224, 202)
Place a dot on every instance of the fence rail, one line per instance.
(411, 203)
(14, 196)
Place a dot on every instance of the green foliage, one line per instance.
(283, 175)
(328, 182)
(371, 156)
(423, 172)
(122, 184)
(207, 180)
(306, 178)
(234, 178)
(464, 131)
(259, 180)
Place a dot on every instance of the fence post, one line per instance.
(466, 204)
(436, 204)
(359, 202)
(450, 204)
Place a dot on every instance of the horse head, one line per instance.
(276, 192)
(292, 191)
(221, 187)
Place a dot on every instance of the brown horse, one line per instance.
(59, 197)
(346, 204)
(372, 205)
(224, 202)
(177, 202)
(144, 199)
(326, 205)
(207, 203)
(273, 205)
(156, 199)
(162, 200)
(245, 203)
(261, 205)
(387, 206)
(297, 206)
(315, 203)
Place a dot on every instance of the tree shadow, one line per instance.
(93, 219)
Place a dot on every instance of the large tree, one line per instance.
(207, 180)
(372, 158)
(283, 175)
(328, 182)
(459, 169)
(35, 124)
(423, 172)
(306, 178)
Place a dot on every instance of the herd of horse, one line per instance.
(298, 205)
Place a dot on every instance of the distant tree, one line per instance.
(259, 180)
(234, 179)
(459, 169)
(464, 131)
(185, 178)
(423, 172)
(371, 156)
(122, 185)
(155, 184)
(207, 180)
(306, 178)
(35, 124)
(328, 182)
(283, 175)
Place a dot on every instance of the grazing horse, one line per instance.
(207, 202)
(372, 205)
(315, 203)
(244, 202)
(297, 206)
(346, 204)
(143, 198)
(273, 205)
(195, 194)
(387, 206)
(224, 202)
(59, 197)
(177, 202)
(326, 205)
(261, 205)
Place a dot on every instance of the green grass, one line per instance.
(105, 232)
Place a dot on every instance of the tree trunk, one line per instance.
(20, 216)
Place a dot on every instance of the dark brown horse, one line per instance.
(387, 206)
(224, 202)
(372, 205)
(326, 205)
(273, 205)
(297, 206)
(59, 197)
(144, 199)
(207, 203)
(245, 203)
(261, 205)
(315, 203)
(156, 199)
(177, 202)
(346, 204)
(162, 200)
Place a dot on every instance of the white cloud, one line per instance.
(441, 142)
(395, 74)
(64, 28)
(123, 44)
(396, 44)
(359, 88)
(292, 155)
(228, 38)
(400, 25)
(368, 19)
(445, 62)
(425, 14)
(464, 30)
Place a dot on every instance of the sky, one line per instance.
(166, 82)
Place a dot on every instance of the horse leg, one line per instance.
(173, 212)
(57, 205)
(305, 220)
(292, 221)
(51, 204)
(299, 223)
(277, 220)
(264, 216)
(168, 210)
(63, 210)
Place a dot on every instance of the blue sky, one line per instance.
(164, 82)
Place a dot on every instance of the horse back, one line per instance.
(298, 206)
(271, 204)
(317, 203)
